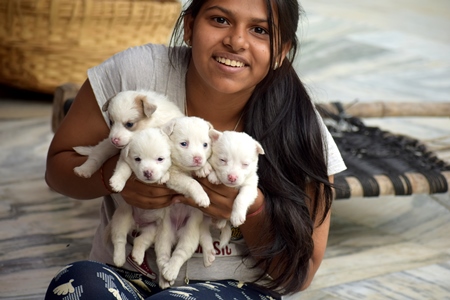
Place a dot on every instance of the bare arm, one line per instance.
(83, 126)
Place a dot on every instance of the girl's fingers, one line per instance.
(147, 196)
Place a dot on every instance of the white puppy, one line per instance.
(190, 148)
(129, 112)
(183, 226)
(234, 160)
(147, 155)
(127, 218)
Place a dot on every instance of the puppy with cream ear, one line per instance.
(234, 160)
(128, 112)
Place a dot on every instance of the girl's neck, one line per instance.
(223, 111)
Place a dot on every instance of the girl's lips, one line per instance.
(230, 62)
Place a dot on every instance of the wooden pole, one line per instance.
(380, 109)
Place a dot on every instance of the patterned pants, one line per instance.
(93, 280)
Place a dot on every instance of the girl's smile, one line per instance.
(230, 63)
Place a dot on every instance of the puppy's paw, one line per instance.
(162, 260)
(163, 283)
(119, 258)
(202, 200)
(138, 256)
(169, 273)
(237, 218)
(164, 179)
(209, 256)
(212, 177)
(81, 171)
(116, 184)
(205, 171)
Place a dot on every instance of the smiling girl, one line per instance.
(235, 72)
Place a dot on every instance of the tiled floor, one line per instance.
(379, 248)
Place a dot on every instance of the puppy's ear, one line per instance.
(259, 148)
(126, 150)
(106, 105)
(214, 134)
(168, 127)
(210, 125)
(147, 107)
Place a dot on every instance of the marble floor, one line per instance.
(379, 248)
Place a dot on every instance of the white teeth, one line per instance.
(229, 62)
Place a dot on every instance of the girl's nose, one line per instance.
(236, 40)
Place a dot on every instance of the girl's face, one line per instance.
(230, 44)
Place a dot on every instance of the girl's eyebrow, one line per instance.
(229, 12)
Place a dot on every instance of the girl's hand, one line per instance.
(147, 196)
(221, 197)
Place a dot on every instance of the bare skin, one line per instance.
(215, 92)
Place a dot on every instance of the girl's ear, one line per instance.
(188, 22)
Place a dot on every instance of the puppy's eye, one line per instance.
(205, 145)
(129, 125)
(183, 144)
(111, 122)
(223, 160)
(138, 159)
(244, 165)
(160, 159)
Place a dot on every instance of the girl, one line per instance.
(235, 72)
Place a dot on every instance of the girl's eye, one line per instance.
(138, 159)
(260, 30)
(129, 125)
(220, 20)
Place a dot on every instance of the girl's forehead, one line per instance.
(248, 7)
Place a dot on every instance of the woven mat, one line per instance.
(382, 163)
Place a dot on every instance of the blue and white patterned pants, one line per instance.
(93, 280)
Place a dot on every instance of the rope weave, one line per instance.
(370, 152)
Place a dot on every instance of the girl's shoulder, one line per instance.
(141, 54)
(150, 53)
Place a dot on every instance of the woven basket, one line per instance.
(45, 43)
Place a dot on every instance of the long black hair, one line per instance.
(282, 117)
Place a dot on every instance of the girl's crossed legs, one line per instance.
(93, 280)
